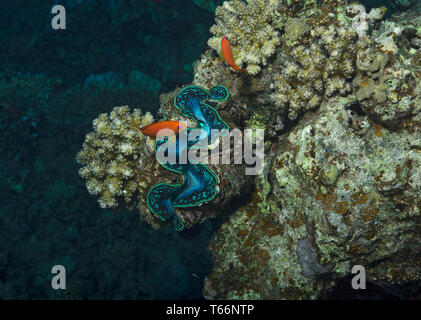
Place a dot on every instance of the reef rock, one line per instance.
(340, 105)
(345, 185)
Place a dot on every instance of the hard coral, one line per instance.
(339, 178)
(386, 88)
(114, 157)
(321, 54)
(249, 30)
(314, 69)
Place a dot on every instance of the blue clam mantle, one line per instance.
(199, 181)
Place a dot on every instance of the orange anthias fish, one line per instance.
(153, 129)
(227, 53)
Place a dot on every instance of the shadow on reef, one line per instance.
(393, 6)
(343, 291)
(239, 202)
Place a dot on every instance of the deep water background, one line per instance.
(52, 85)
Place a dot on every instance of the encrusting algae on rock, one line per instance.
(343, 178)
(322, 186)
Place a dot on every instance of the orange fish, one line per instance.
(153, 129)
(227, 53)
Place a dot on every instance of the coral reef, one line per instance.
(327, 186)
(307, 258)
(340, 105)
(338, 95)
(386, 86)
(322, 52)
(311, 72)
(114, 157)
(248, 27)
